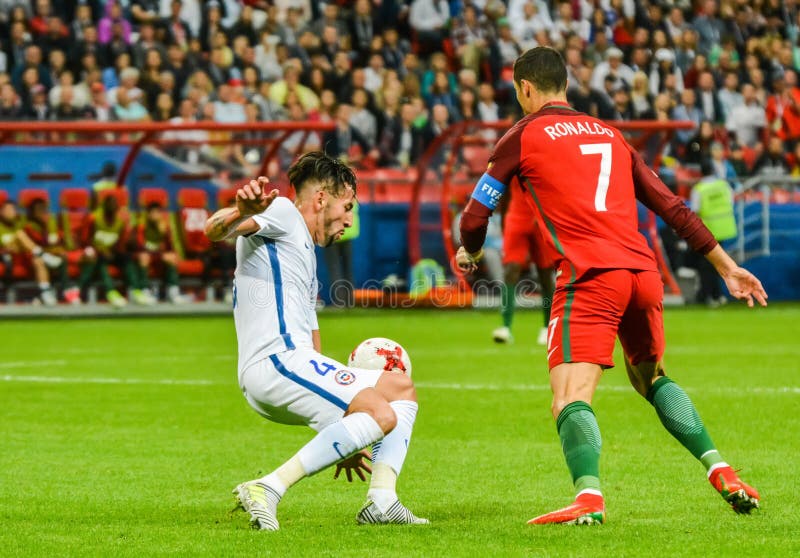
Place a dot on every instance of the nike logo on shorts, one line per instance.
(336, 447)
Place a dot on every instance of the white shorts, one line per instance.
(303, 386)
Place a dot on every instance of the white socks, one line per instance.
(333, 443)
(389, 454)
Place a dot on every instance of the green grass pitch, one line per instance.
(124, 437)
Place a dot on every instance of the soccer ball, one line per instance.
(379, 353)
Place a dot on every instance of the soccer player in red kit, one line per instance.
(584, 179)
(523, 244)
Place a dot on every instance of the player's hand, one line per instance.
(355, 463)
(745, 286)
(253, 198)
(465, 261)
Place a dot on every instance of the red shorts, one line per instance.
(588, 315)
(523, 243)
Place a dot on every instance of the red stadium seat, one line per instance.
(3, 196)
(476, 157)
(148, 196)
(74, 204)
(74, 199)
(192, 198)
(27, 195)
(191, 220)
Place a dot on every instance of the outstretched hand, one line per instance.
(253, 198)
(465, 261)
(354, 463)
(743, 285)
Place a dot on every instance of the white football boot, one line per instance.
(396, 514)
(502, 335)
(261, 502)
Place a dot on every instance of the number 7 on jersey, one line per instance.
(604, 150)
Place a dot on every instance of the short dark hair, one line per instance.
(543, 67)
(333, 175)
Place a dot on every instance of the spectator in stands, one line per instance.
(128, 108)
(17, 248)
(112, 19)
(746, 121)
(730, 97)
(428, 20)
(773, 161)
(528, 19)
(641, 98)
(155, 248)
(10, 105)
(280, 90)
(144, 12)
(394, 50)
(401, 141)
(471, 38)
(441, 93)
(698, 148)
(687, 110)
(487, 108)
(736, 159)
(178, 30)
(42, 229)
(363, 28)
(614, 67)
(346, 142)
(16, 45)
(33, 61)
(623, 108)
(585, 98)
(707, 99)
(440, 119)
(721, 167)
(362, 119)
(709, 27)
(783, 109)
(567, 24)
(98, 103)
(38, 107)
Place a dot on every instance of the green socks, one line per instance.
(170, 275)
(508, 301)
(679, 417)
(580, 440)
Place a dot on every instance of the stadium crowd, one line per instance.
(393, 74)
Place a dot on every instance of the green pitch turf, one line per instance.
(124, 437)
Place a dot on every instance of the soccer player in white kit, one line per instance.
(282, 373)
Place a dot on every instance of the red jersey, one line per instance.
(583, 179)
(518, 212)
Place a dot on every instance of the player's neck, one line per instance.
(546, 101)
(310, 218)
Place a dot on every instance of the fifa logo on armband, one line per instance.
(493, 193)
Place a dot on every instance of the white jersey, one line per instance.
(275, 289)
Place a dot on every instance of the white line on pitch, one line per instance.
(136, 381)
(792, 390)
(32, 363)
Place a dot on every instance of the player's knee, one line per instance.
(395, 386)
(385, 416)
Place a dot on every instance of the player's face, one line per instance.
(337, 216)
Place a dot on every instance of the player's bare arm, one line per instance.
(742, 284)
(251, 199)
(316, 340)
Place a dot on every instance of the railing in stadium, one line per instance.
(761, 233)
